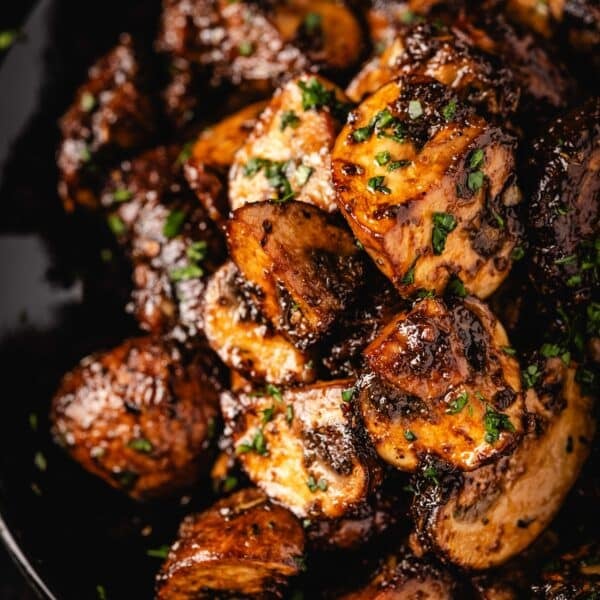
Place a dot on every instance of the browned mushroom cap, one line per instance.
(111, 113)
(211, 156)
(564, 211)
(242, 546)
(446, 55)
(440, 384)
(243, 340)
(140, 417)
(302, 266)
(302, 448)
(257, 45)
(402, 576)
(291, 143)
(172, 243)
(498, 510)
(428, 187)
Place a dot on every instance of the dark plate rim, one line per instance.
(28, 571)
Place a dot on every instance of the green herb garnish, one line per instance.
(289, 119)
(443, 224)
(495, 423)
(456, 405)
(174, 223)
(375, 184)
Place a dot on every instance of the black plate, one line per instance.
(58, 302)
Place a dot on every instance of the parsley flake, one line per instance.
(443, 225)
(495, 423)
(174, 223)
(383, 157)
(415, 110)
(409, 436)
(141, 445)
(449, 111)
(375, 184)
(289, 119)
(456, 405)
(87, 102)
(246, 48)
(160, 552)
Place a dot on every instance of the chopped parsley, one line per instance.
(475, 181)
(229, 484)
(415, 110)
(431, 473)
(495, 423)
(289, 413)
(87, 102)
(303, 173)
(122, 195)
(456, 287)
(174, 223)
(476, 159)
(381, 122)
(312, 23)
(160, 552)
(8, 38)
(40, 461)
(443, 224)
(289, 119)
(185, 153)
(449, 111)
(197, 251)
(314, 485)
(531, 375)
(185, 273)
(116, 224)
(518, 253)
(258, 444)
(376, 184)
(274, 391)
(456, 405)
(275, 173)
(409, 436)
(383, 157)
(509, 351)
(101, 592)
(315, 96)
(567, 260)
(33, 421)
(348, 394)
(409, 277)
(554, 350)
(399, 164)
(246, 48)
(267, 414)
(142, 445)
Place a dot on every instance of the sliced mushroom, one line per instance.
(440, 384)
(243, 340)
(491, 514)
(302, 447)
(242, 546)
(302, 267)
(441, 52)
(428, 188)
(288, 155)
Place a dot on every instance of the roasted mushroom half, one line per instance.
(288, 155)
(441, 384)
(491, 514)
(140, 416)
(244, 340)
(243, 546)
(302, 266)
(303, 448)
(429, 188)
